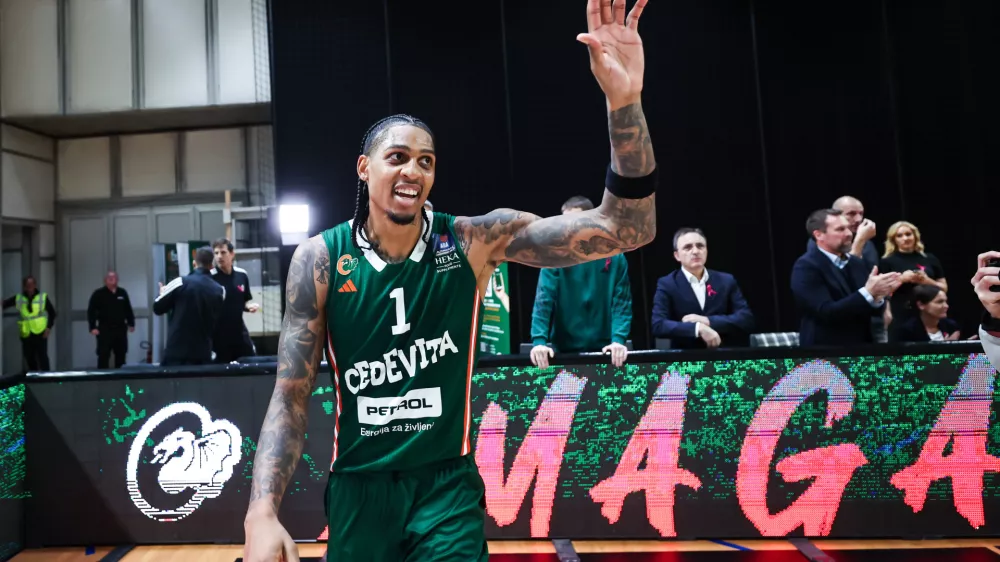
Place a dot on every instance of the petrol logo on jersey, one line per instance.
(346, 264)
(415, 404)
(445, 256)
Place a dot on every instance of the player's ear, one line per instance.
(363, 162)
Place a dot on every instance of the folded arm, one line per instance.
(739, 320)
(663, 326)
(300, 348)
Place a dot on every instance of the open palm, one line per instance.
(616, 57)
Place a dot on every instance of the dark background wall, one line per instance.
(760, 112)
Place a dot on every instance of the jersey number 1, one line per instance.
(402, 326)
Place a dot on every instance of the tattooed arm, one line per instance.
(300, 348)
(617, 225)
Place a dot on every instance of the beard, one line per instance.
(401, 220)
(844, 248)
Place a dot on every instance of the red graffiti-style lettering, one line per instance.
(964, 421)
(832, 467)
(541, 453)
(656, 439)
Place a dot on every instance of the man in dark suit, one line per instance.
(862, 246)
(696, 307)
(836, 293)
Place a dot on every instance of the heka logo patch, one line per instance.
(240, 287)
(346, 264)
(201, 459)
(415, 404)
(445, 256)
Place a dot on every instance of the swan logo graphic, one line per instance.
(196, 458)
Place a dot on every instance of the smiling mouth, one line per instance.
(406, 194)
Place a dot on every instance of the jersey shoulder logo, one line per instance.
(346, 264)
(443, 244)
(445, 256)
(202, 460)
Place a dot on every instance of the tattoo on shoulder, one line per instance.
(298, 339)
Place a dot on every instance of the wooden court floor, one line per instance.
(223, 553)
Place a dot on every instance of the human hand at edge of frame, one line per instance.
(267, 540)
(984, 280)
(618, 353)
(540, 355)
(616, 55)
(711, 337)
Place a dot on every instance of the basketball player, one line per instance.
(394, 299)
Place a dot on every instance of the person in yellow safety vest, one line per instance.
(37, 318)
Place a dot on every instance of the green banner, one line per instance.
(494, 337)
(171, 263)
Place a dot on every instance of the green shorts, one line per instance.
(434, 513)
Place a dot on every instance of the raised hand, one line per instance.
(616, 56)
(985, 281)
(866, 230)
(882, 285)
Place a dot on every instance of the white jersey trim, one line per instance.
(170, 287)
(415, 256)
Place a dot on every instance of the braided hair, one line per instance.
(374, 137)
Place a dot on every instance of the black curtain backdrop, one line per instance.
(760, 112)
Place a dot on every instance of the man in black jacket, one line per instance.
(109, 315)
(232, 340)
(196, 301)
(836, 293)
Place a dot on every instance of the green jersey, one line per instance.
(402, 344)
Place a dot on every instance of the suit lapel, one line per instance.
(838, 275)
(687, 290)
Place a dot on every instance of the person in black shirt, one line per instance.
(36, 321)
(232, 339)
(904, 253)
(109, 315)
(196, 302)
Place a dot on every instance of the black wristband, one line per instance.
(631, 188)
(989, 323)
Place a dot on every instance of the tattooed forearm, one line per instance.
(631, 147)
(299, 350)
(618, 225)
